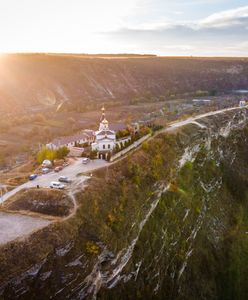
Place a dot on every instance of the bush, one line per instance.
(62, 152)
(122, 133)
(92, 248)
(201, 93)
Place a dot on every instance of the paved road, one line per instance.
(70, 171)
(193, 120)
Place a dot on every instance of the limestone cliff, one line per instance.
(169, 222)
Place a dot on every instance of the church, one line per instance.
(105, 139)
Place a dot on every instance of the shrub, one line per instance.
(92, 248)
(62, 152)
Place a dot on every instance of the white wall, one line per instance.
(103, 145)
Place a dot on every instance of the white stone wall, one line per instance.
(103, 145)
(123, 140)
(129, 148)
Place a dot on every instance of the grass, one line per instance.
(42, 201)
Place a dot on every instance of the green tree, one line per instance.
(108, 156)
(117, 148)
(93, 154)
(62, 152)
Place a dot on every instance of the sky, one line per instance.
(162, 27)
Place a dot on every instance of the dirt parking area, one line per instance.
(16, 225)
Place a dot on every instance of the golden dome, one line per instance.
(104, 121)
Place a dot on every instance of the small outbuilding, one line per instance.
(47, 164)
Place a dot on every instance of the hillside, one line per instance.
(36, 82)
(168, 222)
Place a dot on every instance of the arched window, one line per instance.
(103, 146)
(109, 146)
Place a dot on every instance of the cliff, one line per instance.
(169, 222)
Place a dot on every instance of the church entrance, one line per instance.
(102, 155)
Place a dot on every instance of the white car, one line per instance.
(85, 160)
(65, 179)
(45, 170)
(57, 185)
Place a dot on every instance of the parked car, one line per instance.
(64, 179)
(45, 170)
(57, 169)
(57, 185)
(85, 160)
(33, 176)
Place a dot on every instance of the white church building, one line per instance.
(105, 139)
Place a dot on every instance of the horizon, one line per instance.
(121, 55)
(197, 28)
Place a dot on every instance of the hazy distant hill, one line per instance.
(44, 80)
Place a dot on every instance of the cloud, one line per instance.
(228, 18)
(225, 19)
(221, 33)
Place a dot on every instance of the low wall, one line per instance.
(129, 148)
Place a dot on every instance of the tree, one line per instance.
(117, 148)
(213, 93)
(62, 152)
(93, 154)
(45, 153)
(122, 133)
(108, 156)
